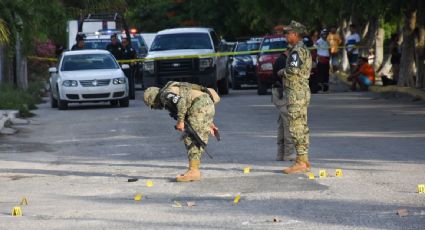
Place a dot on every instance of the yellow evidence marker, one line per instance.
(246, 170)
(421, 188)
(138, 197)
(338, 172)
(149, 183)
(323, 173)
(24, 201)
(237, 198)
(311, 176)
(17, 211)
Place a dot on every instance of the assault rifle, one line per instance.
(190, 132)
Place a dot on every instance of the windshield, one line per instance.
(247, 46)
(88, 62)
(96, 43)
(273, 43)
(181, 41)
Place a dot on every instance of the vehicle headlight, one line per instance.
(205, 63)
(70, 83)
(118, 81)
(149, 66)
(266, 66)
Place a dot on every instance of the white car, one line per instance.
(88, 76)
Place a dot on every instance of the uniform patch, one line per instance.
(294, 60)
(174, 98)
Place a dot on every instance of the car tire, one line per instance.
(124, 102)
(262, 87)
(235, 83)
(114, 103)
(62, 105)
(223, 86)
(53, 101)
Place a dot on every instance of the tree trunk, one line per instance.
(420, 57)
(21, 64)
(1, 64)
(379, 47)
(345, 66)
(407, 63)
(420, 46)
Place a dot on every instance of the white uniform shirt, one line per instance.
(351, 41)
(322, 47)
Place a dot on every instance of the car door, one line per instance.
(221, 61)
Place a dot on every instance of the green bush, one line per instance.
(22, 100)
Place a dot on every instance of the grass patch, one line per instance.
(22, 100)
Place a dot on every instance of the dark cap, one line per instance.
(296, 27)
(79, 37)
(113, 36)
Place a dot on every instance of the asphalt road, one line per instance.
(73, 167)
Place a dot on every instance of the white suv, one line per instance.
(186, 54)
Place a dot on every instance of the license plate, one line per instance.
(242, 73)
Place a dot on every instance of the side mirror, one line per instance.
(53, 70)
(125, 66)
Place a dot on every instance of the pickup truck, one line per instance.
(189, 55)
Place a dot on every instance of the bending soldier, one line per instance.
(296, 74)
(189, 103)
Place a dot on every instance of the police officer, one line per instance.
(129, 53)
(115, 47)
(285, 147)
(193, 104)
(296, 74)
(80, 42)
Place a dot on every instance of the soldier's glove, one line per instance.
(281, 72)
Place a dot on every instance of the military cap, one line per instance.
(150, 95)
(296, 27)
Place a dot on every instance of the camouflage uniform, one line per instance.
(192, 105)
(296, 74)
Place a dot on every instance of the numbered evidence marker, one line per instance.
(311, 176)
(138, 197)
(237, 198)
(338, 172)
(421, 188)
(17, 211)
(323, 173)
(149, 183)
(246, 170)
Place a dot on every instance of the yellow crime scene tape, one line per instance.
(220, 54)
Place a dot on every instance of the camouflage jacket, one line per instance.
(178, 97)
(298, 67)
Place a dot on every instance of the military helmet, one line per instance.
(296, 27)
(150, 97)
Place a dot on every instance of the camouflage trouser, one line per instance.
(285, 145)
(298, 101)
(200, 115)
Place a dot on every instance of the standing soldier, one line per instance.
(296, 74)
(191, 104)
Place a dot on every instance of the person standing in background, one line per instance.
(351, 42)
(323, 59)
(334, 42)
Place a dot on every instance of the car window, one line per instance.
(273, 43)
(96, 43)
(247, 46)
(88, 62)
(181, 41)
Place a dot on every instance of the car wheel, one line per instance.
(53, 101)
(223, 86)
(235, 83)
(124, 102)
(62, 105)
(114, 103)
(262, 87)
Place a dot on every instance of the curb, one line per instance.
(413, 92)
(6, 120)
